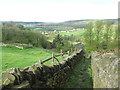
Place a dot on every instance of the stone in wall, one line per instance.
(40, 75)
(105, 70)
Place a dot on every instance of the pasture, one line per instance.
(14, 57)
(78, 32)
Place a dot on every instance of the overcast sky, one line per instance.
(57, 10)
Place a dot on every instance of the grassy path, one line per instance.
(81, 76)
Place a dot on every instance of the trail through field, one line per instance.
(81, 76)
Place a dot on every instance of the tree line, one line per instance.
(12, 33)
(101, 35)
(16, 33)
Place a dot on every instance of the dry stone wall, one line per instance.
(41, 76)
(105, 70)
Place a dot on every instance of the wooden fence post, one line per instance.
(71, 51)
(61, 53)
(53, 57)
(75, 49)
(68, 53)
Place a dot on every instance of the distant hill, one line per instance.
(83, 23)
(66, 24)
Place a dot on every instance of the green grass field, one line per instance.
(14, 57)
(52, 28)
(79, 32)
